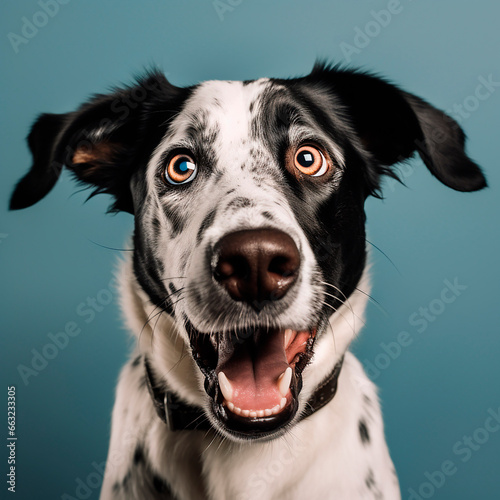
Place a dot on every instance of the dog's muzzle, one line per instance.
(253, 374)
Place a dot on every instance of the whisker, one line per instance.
(374, 301)
(347, 303)
(111, 248)
(333, 335)
(337, 311)
(152, 314)
(385, 255)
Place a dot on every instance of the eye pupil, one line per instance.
(183, 165)
(305, 159)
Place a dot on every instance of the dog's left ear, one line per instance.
(393, 124)
(100, 143)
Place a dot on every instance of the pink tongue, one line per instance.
(253, 371)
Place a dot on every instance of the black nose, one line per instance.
(257, 265)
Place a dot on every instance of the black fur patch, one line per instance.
(160, 485)
(372, 486)
(240, 202)
(126, 479)
(370, 479)
(139, 455)
(363, 432)
(206, 223)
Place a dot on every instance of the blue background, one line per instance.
(435, 391)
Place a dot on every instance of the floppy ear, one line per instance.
(100, 143)
(394, 124)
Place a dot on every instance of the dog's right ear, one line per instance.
(99, 143)
(393, 125)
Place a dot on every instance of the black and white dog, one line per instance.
(247, 280)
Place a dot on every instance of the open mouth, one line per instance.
(253, 376)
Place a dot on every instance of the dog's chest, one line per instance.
(325, 456)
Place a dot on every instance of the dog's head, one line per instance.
(248, 200)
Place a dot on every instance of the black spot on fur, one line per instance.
(156, 226)
(372, 486)
(177, 223)
(370, 480)
(230, 191)
(268, 215)
(126, 479)
(146, 270)
(184, 259)
(363, 432)
(172, 288)
(240, 202)
(160, 485)
(136, 361)
(206, 223)
(116, 487)
(139, 455)
(197, 299)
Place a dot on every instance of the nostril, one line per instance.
(283, 266)
(235, 266)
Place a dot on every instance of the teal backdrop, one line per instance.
(431, 342)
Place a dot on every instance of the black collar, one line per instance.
(180, 416)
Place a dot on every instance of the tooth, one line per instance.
(252, 414)
(245, 413)
(225, 386)
(268, 412)
(230, 405)
(284, 381)
(260, 413)
(236, 410)
(288, 336)
(275, 409)
(282, 403)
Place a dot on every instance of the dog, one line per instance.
(248, 277)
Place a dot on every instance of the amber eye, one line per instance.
(181, 168)
(309, 160)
